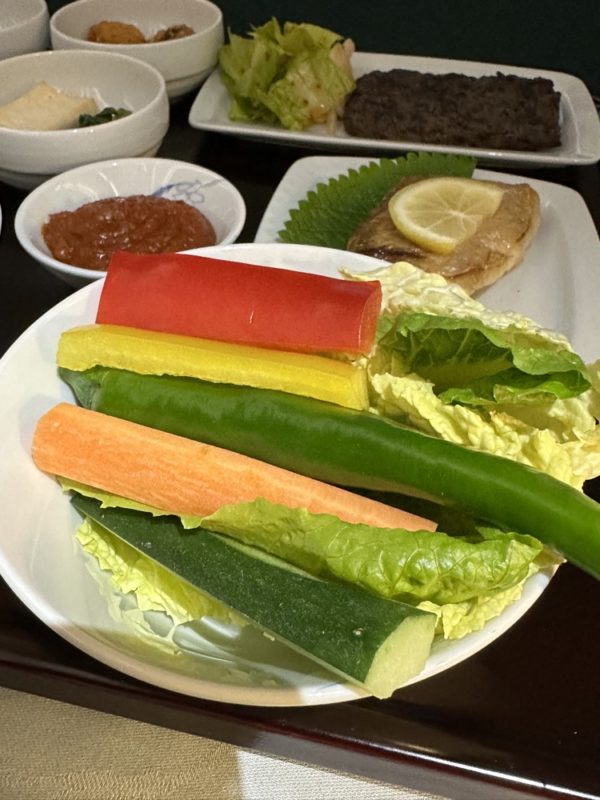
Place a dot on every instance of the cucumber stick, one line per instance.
(377, 643)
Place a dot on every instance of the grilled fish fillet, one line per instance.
(496, 247)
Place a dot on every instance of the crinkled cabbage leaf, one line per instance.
(154, 587)
(472, 363)
(291, 75)
(493, 381)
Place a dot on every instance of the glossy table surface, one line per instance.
(519, 719)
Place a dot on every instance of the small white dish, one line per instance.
(23, 27)
(215, 197)
(42, 565)
(27, 158)
(184, 63)
(579, 118)
(558, 282)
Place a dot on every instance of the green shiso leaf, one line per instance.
(328, 215)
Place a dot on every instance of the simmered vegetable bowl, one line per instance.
(465, 573)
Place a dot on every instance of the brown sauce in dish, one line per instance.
(88, 236)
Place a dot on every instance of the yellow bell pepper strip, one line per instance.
(234, 302)
(152, 353)
(356, 449)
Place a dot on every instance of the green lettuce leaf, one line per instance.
(297, 37)
(284, 75)
(311, 87)
(329, 215)
(472, 363)
(108, 500)
(537, 424)
(562, 439)
(248, 67)
(410, 566)
(464, 580)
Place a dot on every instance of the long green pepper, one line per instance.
(354, 449)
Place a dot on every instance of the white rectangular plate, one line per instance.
(579, 117)
(558, 282)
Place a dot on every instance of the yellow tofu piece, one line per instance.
(44, 108)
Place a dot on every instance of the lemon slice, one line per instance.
(439, 213)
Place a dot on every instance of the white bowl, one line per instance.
(23, 27)
(27, 158)
(214, 196)
(184, 62)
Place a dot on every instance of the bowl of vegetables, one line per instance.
(181, 373)
(59, 110)
(180, 38)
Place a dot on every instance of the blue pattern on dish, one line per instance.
(191, 192)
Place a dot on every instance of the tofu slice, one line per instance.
(44, 108)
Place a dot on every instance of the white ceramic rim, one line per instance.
(58, 17)
(37, 16)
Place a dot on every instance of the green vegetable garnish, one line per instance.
(474, 364)
(410, 566)
(296, 75)
(107, 114)
(465, 579)
(329, 215)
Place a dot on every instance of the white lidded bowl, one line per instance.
(218, 199)
(23, 27)
(27, 158)
(184, 63)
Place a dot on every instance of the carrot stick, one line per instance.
(181, 476)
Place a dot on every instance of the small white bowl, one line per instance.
(23, 27)
(27, 158)
(210, 193)
(184, 63)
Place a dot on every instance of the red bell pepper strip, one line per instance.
(233, 302)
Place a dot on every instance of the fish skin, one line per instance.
(496, 247)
